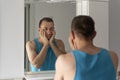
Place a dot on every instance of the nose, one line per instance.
(49, 31)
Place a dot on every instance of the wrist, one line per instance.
(45, 45)
(51, 44)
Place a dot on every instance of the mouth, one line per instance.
(49, 36)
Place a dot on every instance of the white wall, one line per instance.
(99, 10)
(114, 11)
(11, 38)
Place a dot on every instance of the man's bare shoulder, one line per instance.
(65, 66)
(67, 60)
(30, 44)
(113, 54)
(60, 45)
(59, 41)
(114, 59)
(64, 56)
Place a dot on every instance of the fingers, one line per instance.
(42, 33)
(53, 34)
(43, 37)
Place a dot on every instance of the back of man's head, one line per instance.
(83, 25)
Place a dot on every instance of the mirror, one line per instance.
(62, 14)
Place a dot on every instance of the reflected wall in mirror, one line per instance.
(62, 14)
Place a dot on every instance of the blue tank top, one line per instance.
(49, 62)
(93, 67)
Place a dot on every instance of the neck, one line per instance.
(87, 46)
(84, 45)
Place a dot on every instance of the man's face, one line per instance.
(48, 27)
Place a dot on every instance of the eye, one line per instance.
(52, 28)
(45, 28)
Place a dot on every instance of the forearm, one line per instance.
(56, 50)
(39, 59)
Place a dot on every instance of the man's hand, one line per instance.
(43, 37)
(52, 38)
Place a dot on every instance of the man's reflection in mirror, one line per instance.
(43, 51)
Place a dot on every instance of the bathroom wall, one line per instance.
(11, 38)
(114, 27)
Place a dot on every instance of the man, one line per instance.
(43, 51)
(86, 61)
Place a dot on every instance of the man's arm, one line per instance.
(65, 67)
(59, 68)
(114, 59)
(59, 48)
(35, 59)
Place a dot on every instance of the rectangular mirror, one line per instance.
(62, 14)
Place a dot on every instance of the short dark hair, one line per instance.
(83, 25)
(48, 19)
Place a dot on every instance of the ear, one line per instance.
(94, 34)
(71, 40)
(72, 35)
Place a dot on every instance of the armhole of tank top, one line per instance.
(75, 64)
(35, 41)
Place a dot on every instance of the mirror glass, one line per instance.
(61, 12)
